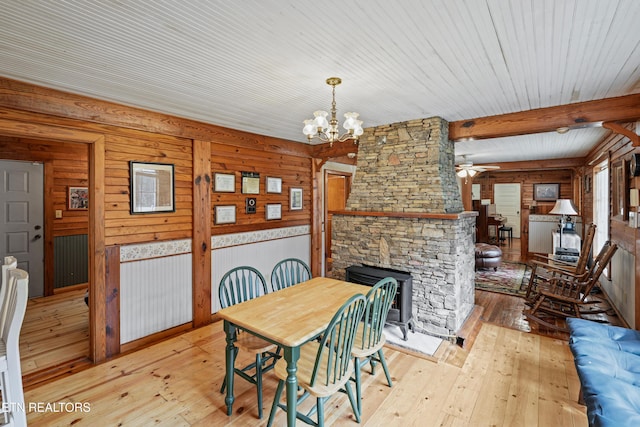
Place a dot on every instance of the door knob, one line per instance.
(37, 236)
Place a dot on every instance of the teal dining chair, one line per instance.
(238, 285)
(289, 272)
(325, 366)
(370, 337)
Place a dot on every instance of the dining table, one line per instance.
(288, 318)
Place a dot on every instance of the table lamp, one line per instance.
(563, 207)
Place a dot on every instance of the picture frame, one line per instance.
(274, 185)
(151, 187)
(546, 192)
(295, 199)
(619, 191)
(225, 214)
(273, 211)
(224, 182)
(77, 198)
(250, 183)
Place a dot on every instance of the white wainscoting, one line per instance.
(262, 255)
(155, 295)
(621, 288)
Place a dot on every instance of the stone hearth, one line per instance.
(405, 212)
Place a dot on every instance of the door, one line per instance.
(337, 186)
(21, 219)
(507, 200)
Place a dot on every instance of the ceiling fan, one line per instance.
(467, 169)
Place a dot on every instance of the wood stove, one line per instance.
(400, 313)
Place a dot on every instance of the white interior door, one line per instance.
(21, 219)
(507, 200)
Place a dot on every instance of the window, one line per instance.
(601, 205)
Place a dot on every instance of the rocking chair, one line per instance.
(543, 269)
(568, 295)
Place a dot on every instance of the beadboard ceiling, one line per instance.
(261, 65)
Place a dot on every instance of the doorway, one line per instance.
(21, 219)
(507, 200)
(12, 130)
(337, 186)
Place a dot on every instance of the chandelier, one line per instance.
(327, 130)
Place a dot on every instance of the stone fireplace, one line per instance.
(405, 212)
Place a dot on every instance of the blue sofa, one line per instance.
(607, 359)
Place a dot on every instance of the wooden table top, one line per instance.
(294, 315)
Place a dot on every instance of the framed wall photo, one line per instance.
(546, 192)
(250, 183)
(296, 199)
(274, 185)
(273, 211)
(224, 182)
(225, 214)
(151, 187)
(78, 198)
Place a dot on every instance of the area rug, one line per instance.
(416, 342)
(511, 278)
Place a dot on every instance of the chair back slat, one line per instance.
(289, 272)
(579, 289)
(379, 300)
(585, 250)
(241, 284)
(333, 360)
(10, 263)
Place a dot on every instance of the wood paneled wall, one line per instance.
(293, 170)
(527, 181)
(67, 165)
(122, 227)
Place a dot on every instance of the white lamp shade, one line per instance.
(564, 207)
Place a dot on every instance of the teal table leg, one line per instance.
(230, 352)
(291, 355)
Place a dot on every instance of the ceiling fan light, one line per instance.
(472, 172)
(462, 173)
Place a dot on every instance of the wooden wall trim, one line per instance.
(37, 99)
(112, 310)
(201, 245)
(579, 114)
(49, 214)
(316, 219)
(97, 268)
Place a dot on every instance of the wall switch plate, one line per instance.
(58, 213)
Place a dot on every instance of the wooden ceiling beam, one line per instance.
(577, 115)
(339, 149)
(531, 165)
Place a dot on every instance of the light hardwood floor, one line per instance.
(508, 378)
(55, 332)
(505, 376)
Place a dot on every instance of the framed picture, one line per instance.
(78, 198)
(274, 185)
(151, 187)
(250, 183)
(224, 182)
(274, 211)
(225, 214)
(546, 192)
(296, 199)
